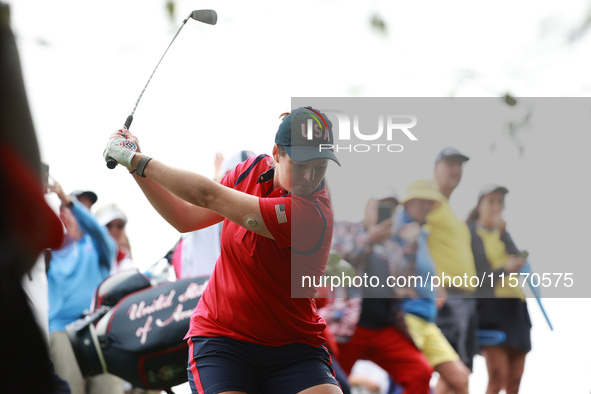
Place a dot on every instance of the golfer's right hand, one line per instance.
(125, 133)
(121, 149)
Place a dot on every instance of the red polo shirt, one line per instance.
(249, 295)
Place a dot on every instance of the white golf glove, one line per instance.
(121, 150)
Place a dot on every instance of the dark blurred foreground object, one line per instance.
(135, 330)
(27, 227)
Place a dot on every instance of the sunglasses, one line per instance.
(116, 225)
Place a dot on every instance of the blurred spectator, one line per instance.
(449, 244)
(75, 270)
(112, 217)
(367, 378)
(197, 251)
(35, 281)
(85, 197)
(27, 227)
(420, 311)
(115, 220)
(499, 308)
(217, 165)
(231, 162)
(373, 328)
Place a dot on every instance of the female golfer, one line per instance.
(499, 308)
(255, 329)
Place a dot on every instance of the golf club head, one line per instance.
(206, 16)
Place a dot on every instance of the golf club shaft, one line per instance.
(112, 163)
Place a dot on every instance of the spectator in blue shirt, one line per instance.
(75, 270)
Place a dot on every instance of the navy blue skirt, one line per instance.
(509, 315)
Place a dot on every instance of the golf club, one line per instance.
(205, 16)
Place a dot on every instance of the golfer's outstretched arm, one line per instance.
(194, 200)
(180, 214)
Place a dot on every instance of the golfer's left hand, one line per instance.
(121, 149)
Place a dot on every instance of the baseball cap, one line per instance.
(106, 214)
(451, 152)
(385, 193)
(293, 135)
(85, 193)
(423, 189)
(491, 188)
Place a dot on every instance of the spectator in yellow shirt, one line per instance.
(449, 242)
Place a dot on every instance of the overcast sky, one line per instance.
(221, 88)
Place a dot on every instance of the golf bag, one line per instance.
(135, 330)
